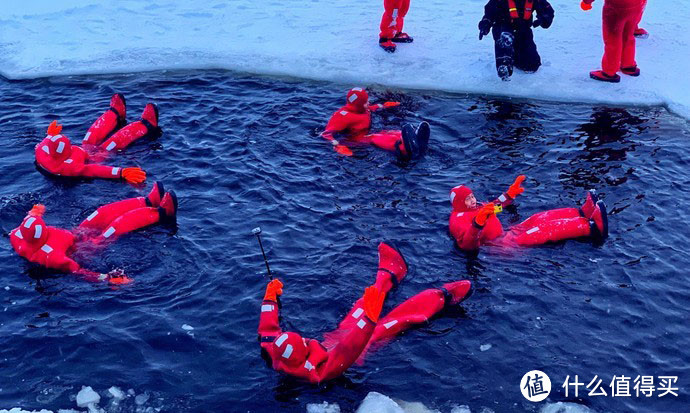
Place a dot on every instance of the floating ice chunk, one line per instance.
(141, 399)
(324, 407)
(377, 402)
(87, 396)
(7, 288)
(116, 393)
(461, 409)
(19, 410)
(485, 347)
(187, 327)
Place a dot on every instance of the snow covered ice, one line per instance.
(337, 41)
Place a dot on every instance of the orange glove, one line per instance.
(133, 175)
(390, 104)
(373, 302)
(273, 290)
(515, 189)
(484, 213)
(586, 5)
(118, 277)
(54, 128)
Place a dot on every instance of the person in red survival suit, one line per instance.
(392, 21)
(353, 122)
(56, 155)
(619, 21)
(317, 362)
(473, 225)
(51, 247)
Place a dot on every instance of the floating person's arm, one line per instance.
(133, 175)
(470, 240)
(378, 106)
(513, 191)
(545, 14)
(59, 261)
(348, 349)
(269, 325)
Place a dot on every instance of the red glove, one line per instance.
(586, 5)
(273, 290)
(373, 302)
(133, 175)
(390, 104)
(484, 213)
(118, 277)
(516, 188)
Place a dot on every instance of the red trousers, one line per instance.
(385, 139)
(548, 226)
(120, 217)
(620, 19)
(393, 17)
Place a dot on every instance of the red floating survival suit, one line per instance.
(317, 362)
(354, 120)
(549, 226)
(620, 19)
(51, 247)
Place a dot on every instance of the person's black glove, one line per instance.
(543, 22)
(484, 27)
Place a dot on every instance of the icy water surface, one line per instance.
(243, 152)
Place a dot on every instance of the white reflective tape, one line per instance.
(46, 149)
(68, 160)
(102, 277)
(390, 324)
(18, 234)
(39, 231)
(55, 137)
(358, 89)
(358, 312)
(110, 231)
(86, 137)
(116, 171)
(266, 308)
(47, 249)
(502, 198)
(532, 230)
(308, 366)
(61, 147)
(394, 17)
(460, 214)
(361, 323)
(288, 351)
(92, 216)
(110, 146)
(343, 112)
(29, 221)
(352, 98)
(281, 340)
(452, 197)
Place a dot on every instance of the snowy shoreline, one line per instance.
(292, 38)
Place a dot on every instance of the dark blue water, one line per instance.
(243, 152)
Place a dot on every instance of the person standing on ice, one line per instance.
(394, 12)
(619, 21)
(353, 122)
(511, 22)
(51, 247)
(473, 224)
(315, 361)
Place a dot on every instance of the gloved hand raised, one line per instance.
(515, 189)
(273, 290)
(485, 213)
(373, 302)
(484, 27)
(133, 175)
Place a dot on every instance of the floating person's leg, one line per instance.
(113, 119)
(106, 214)
(147, 126)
